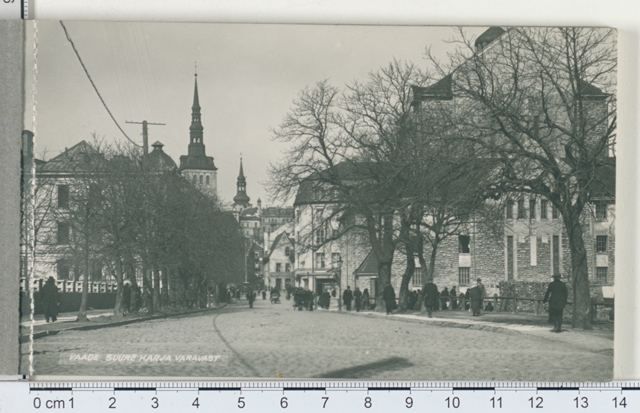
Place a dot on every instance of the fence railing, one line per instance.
(507, 304)
(70, 286)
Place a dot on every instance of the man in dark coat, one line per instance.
(251, 296)
(475, 296)
(126, 297)
(347, 297)
(431, 295)
(357, 296)
(50, 300)
(389, 297)
(557, 296)
(483, 292)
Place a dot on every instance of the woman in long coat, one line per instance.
(389, 296)
(50, 300)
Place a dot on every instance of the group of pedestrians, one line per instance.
(357, 297)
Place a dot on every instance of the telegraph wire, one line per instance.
(93, 84)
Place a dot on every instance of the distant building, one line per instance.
(278, 262)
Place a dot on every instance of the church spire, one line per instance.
(195, 130)
(241, 200)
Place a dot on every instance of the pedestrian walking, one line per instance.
(461, 301)
(357, 296)
(557, 296)
(444, 298)
(389, 297)
(454, 298)
(50, 300)
(483, 292)
(347, 297)
(475, 295)
(251, 296)
(430, 297)
(126, 297)
(326, 300)
(365, 299)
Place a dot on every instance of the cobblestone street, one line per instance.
(273, 341)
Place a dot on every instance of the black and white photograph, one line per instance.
(286, 201)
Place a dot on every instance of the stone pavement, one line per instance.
(275, 341)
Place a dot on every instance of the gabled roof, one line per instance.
(489, 35)
(276, 241)
(72, 159)
(369, 266)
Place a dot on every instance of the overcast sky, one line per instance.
(248, 76)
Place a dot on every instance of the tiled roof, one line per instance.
(441, 90)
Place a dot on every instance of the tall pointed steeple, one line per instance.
(241, 199)
(196, 165)
(195, 130)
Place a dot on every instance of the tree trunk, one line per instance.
(579, 271)
(117, 309)
(403, 300)
(156, 288)
(82, 312)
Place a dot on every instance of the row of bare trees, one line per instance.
(135, 217)
(534, 112)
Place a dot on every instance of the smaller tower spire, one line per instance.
(241, 199)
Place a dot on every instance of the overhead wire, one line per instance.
(94, 85)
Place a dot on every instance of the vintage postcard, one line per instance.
(316, 201)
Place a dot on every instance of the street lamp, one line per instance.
(338, 277)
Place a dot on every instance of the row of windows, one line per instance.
(203, 179)
(287, 267)
(321, 262)
(533, 213)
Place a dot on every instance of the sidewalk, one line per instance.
(600, 339)
(97, 319)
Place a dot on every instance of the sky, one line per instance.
(248, 77)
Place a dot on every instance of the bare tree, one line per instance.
(542, 102)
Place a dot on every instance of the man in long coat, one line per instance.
(347, 297)
(431, 295)
(557, 296)
(49, 299)
(475, 296)
(357, 296)
(389, 297)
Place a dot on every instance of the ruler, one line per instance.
(318, 396)
(14, 9)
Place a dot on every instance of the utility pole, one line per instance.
(145, 133)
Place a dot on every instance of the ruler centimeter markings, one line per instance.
(14, 9)
(312, 396)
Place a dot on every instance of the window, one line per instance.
(335, 258)
(601, 274)
(287, 267)
(601, 211)
(63, 233)
(464, 276)
(463, 244)
(532, 209)
(418, 277)
(62, 269)
(256, 255)
(555, 214)
(287, 251)
(320, 236)
(601, 243)
(63, 196)
(194, 179)
(207, 179)
(509, 209)
(278, 267)
(522, 213)
(544, 204)
(320, 260)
